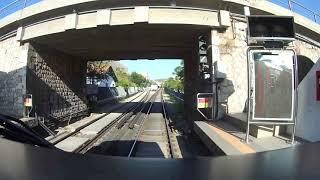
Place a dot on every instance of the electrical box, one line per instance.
(270, 28)
(219, 70)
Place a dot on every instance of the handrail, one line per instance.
(290, 4)
(14, 6)
(8, 5)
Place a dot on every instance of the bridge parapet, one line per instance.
(49, 10)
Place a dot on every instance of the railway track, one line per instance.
(110, 120)
(117, 141)
(155, 137)
(117, 123)
(143, 130)
(56, 139)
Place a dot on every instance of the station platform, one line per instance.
(225, 137)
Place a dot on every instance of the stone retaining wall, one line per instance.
(13, 61)
(57, 82)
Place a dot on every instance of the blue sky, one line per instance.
(155, 69)
(14, 7)
(313, 5)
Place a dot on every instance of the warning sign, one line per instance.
(204, 102)
(27, 100)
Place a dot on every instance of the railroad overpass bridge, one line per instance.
(45, 48)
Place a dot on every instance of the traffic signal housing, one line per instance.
(270, 28)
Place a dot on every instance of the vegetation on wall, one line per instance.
(96, 69)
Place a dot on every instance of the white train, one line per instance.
(154, 87)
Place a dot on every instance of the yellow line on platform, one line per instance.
(235, 142)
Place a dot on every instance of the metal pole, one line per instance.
(24, 5)
(217, 102)
(315, 17)
(212, 84)
(249, 97)
(290, 5)
(213, 100)
(293, 133)
(295, 99)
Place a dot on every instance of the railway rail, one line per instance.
(56, 139)
(117, 141)
(141, 127)
(118, 123)
(95, 128)
(142, 130)
(155, 129)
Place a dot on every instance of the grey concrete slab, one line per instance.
(148, 138)
(97, 126)
(272, 143)
(259, 144)
(71, 143)
(211, 138)
(72, 127)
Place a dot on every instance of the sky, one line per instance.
(164, 69)
(14, 7)
(313, 5)
(155, 69)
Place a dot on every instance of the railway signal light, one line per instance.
(202, 46)
(203, 58)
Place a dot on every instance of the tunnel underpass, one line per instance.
(57, 63)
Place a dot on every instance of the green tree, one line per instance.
(179, 72)
(176, 83)
(123, 79)
(173, 83)
(97, 68)
(139, 79)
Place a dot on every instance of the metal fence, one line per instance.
(299, 8)
(10, 6)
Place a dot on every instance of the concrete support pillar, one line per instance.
(214, 58)
(214, 41)
(191, 86)
(141, 14)
(20, 32)
(103, 17)
(71, 21)
(224, 18)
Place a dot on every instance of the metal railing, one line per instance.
(15, 5)
(299, 8)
